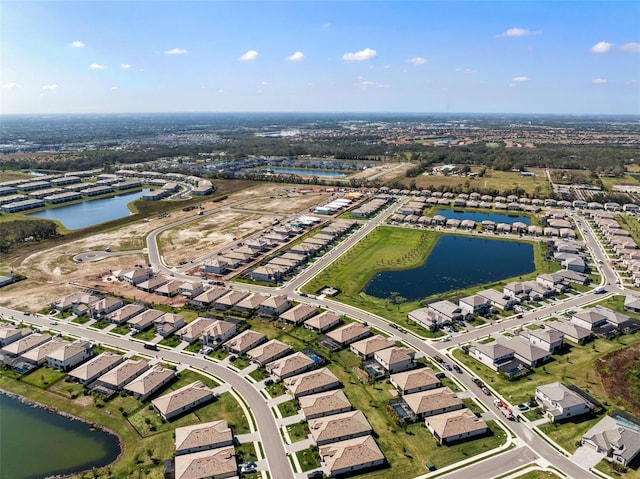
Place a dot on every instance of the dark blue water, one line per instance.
(479, 217)
(306, 171)
(35, 442)
(93, 212)
(456, 262)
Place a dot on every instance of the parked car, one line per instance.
(522, 407)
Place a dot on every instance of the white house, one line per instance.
(561, 402)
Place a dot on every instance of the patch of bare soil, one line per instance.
(620, 376)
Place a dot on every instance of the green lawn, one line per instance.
(147, 335)
(43, 377)
(100, 324)
(227, 408)
(80, 320)
(170, 342)
(289, 408)
(259, 374)
(241, 362)
(298, 338)
(121, 330)
(567, 434)
(276, 389)
(608, 468)
(298, 431)
(538, 475)
(309, 459)
(575, 366)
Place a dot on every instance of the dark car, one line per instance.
(457, 369)
(315, 475)
(447, 367)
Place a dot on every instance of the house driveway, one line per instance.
(586, 457)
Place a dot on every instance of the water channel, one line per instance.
(305, 171)
(456, 262)
(36, 442)
(478, 217)
(92, 212)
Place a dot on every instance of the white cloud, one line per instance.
(50, 87)
(362, 55)
(518, 32)
(602, 47)
(365, 84)
(326, 26)
(125, 66)
(264, 83)
(598, 81)
(249, 56)
(417, 60)
(466, 71)
(77, 44)
(115, 88)
(96, 66)
(176, 51)
(9, 86)
(520, 79)
(635, 81)
(633, 47)
(296, 57)
(220, 91)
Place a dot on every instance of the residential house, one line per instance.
(268, 273)
(517, 290)
(494, 355)
(150, 381)
(9, 333)
(24, 344)
(168, 323)
(346, 457)
(618, 320)
(182, 400)
(215, 266)
(349, 333)
(571, 331)
(632, 303)
(274, 306)
(218, 332)
(191, 289)
(415, 380)
(169, 289)
(202, 437)
(244, 341)
(589, 319)
(123, 373)
(455, 426)
(84, 304)
(135, 276)
(365, 348)
(38, 355)
(525, 351)
(105, 306)
(432, 402)
(150, 285)
(298, 314)
(498, 300)
(205, 299)
(249, 304)
(474, 304)
(122, 315)
(324, 404)
(69, 355)
(617, 437)
(339, 427)
(549, 339)
(395, 359)
(219, 463)
(91, 370)
(560, 402)
(322, 322)
(229, 300)
(311, 382)
(269, 351)
(194, 330)
(291, 365)
(145, 319)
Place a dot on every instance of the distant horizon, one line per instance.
(576, 57)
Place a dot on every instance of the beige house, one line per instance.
(349, 333)
(432, 402)
(217, 333)
(194, 330)
(249, 304)
(244, 341)
(229, 300)
(38, 355)
(339, 427)
(122, 315)
(69, 355)
(395, 359)
(365, 348)
(217, 463)
(25, 344)
(322, 322)
(346, 457)
(455, 426)
(298, 314)
(150, 381)
(206, 298)
(290, 365)
(191, 289)
(324, 404)
(311, 382)
(123, 373)
(169, 289)
(274, 306)
(92, 370)
(145, 319)
(414, 381)
(9, 334)
(269, 351)
(182, 400)
(202, 437)
(105, 306)
(168, 324)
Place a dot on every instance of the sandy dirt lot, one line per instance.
(52, 273)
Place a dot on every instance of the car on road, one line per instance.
(519, 316)
(447, 367)
(486, 391)
(54, 322)
(457, 369)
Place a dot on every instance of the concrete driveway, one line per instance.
(586, 457)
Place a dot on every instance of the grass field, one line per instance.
(388, 248)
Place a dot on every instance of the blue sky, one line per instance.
(355, 56)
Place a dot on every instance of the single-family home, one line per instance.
(434, 401)
(153, 283)
(322, 322)
(365, 348)
(135, 276)
(274, 306)
(549, 339)
(168, 323)
(498, 300)
(229, 300)
(24, 344)
(560, 402)
(474, 304)
(125, 313)
(395, 359)
(9, 333)
(69, 355)
(291, 365)
(219, 463)
(218, 332)
(345, 457)
(349, 333)
(105, 306)
(269, 351)
(339, 427)
(298, 314)
(38, 355)
(495, 355)
(93, 369)
(191, 289)
(311, 382)
(525, 351)
(194, 330)
(182, 400)
(455, 426)
(324, 404)
(123, 373)
(571, 331)
(589, 319)
(145, 319)
(415, 380)
(249, 304)
(244, 341)
(202, 437)
(205, 299)
(617, 437)
(150, 381)
(169, 289)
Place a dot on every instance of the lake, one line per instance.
(91, 212)
(37, 442)
(478, 217)
(456, 262)
(306, 171)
